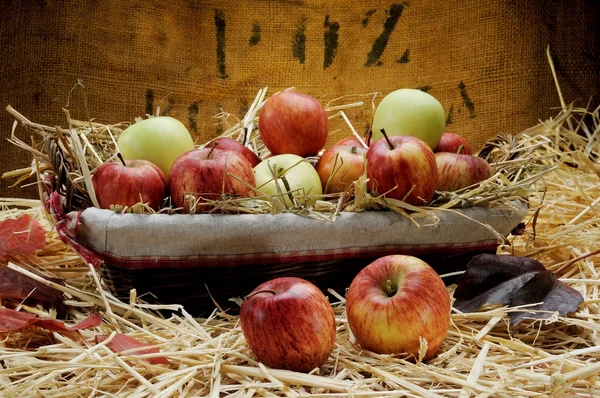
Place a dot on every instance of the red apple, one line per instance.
(402, 167)
(457, 171)
(127, 184)
(341, 165)
(289, 324)
(208, 173)
(395, 301)
(452, 142)
(292, 122)
(231, 144)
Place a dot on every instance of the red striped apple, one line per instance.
(129, 183)
(288, 324)
(231, 144)
(394, 302)
(402, 167)
(457, 171)
(452, 142)
(294, 123)
(208, 174)
(341, 165)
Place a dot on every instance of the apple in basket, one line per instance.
(457, 171)
(292, 122)
(396, 301)
(402, 167)
(452, 142)
(231, 144)
(289, 177)
(410, 112)
(341, 165)
(289, 324)
(129, 182)
(159, 139)
(209, 174)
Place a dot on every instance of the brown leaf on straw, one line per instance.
(514, 281)
(20, 236)
(17, 286)
(131, 346)
(14, 321)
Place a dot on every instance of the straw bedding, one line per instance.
(481, 356)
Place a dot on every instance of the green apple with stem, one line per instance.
(289, 177)
(159, 139)
(410, 112)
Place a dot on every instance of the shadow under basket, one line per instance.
(194, 259)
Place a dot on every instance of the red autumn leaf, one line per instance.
(20, 236)
(15, 285)
(131, 346)
(14, 321)
(11, 320)
(514, 281)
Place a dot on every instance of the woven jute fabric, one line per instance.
(485, 61)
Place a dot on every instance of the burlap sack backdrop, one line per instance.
(484, 61)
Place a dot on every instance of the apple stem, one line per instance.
(245, 139)
(121, 158)
(215, 143)
(391, 290)
(387, 139)
(353, 150)
(460, 149)
(286, 184)
(273, 292)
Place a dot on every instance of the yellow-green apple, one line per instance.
(402, 167)
(410, 112)
(341, 165)
(394, 302)
(159, 139)
(128, 183)
(209, 174)
(289, 324)
(292, 122)
(452, 142)
(457, 171)
(288, 176)
(231, 144)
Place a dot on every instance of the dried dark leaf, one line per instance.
(535, 289)
(559, 298)
(485, 271)
(514, 281)
(499, 294)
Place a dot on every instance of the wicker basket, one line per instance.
(184, 259)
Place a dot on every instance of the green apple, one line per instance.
(410, 112)
(159, 139)
(294, 176)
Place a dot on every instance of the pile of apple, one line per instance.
(396, 305)
(160, 161)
